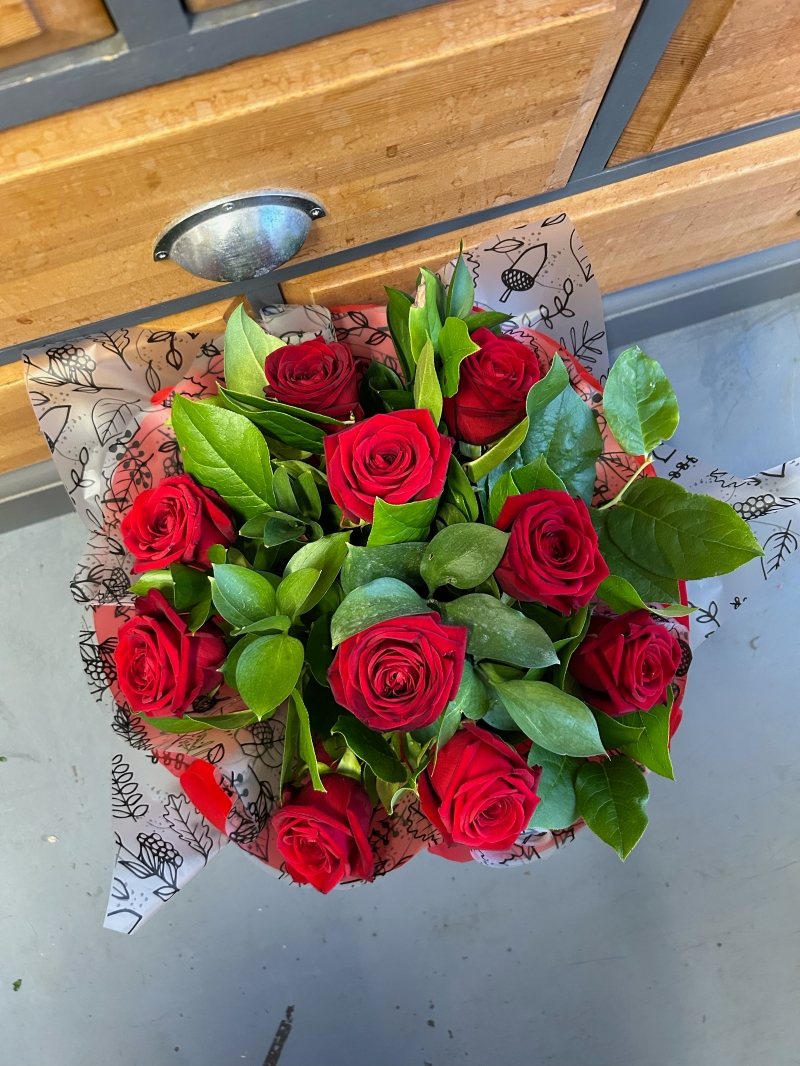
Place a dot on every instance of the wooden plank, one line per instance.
(29, 30)
(21, 443)
(652, 226)
(730, 63)
(405, 122)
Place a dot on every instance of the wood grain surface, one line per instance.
(408, 121)
(33, 28)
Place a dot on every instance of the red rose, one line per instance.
(480, 792)
(162, 667)
(400, 457)
(399, 674)
(315, 376)
(323, 836)
(176, 522)
(492, 389)
(552, 556)
(626, 663)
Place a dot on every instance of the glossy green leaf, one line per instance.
(470, 700)
(291, 745)
(319, 652)
(154, 579)
(246, 349)
(308, 497)
(294, 590)
(285, 498)
(615, 730)
(621, 597)
(501, 490)
(276, 623)
(365, 564)
(612, 795)
(280, 528)
(190, 585)
(557, 807)
(325, 555)
(551, 718)
(651, 587)
(498, 453)
(177, 725)
(486, 320)
(536, 475)
(305, 741)
(201, 611)
(455, 345)
(401, 523)
(397, 317)
(240, 595)
(576, 629)
(284, 427)
(371, 748)
(430, 300)
(226, 452)
(639, 404)
(229, 667)
(261, 403)
(680, 534)
(459, 492)
(460, 292)
(498, 633)
(463, 555)
(268, 671)
(427, 391)
(652, 747)
(370, 604)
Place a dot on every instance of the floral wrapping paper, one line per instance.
(103, 406)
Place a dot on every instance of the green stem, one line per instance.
(627, 485)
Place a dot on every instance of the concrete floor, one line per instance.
(686, 955)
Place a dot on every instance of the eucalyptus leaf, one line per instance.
(639, 403)
(371, 748)
(294, 590)
(370, 604)
(612, 795)
(455, 345)
(240, 595)
(557, 807)
(267, 672)
(401, 523)
(651, 749)
(226, 452)
(463, 555)
(427, 391)
(498, 633)
(680, 534)
(365, 564)
(551, 718)
(325, 555)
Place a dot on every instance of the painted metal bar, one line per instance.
(143, 21)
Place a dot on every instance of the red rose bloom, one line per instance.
(176, 522)
(399, 457)
(480, 792)
(399, 674)
(626, 663)
(552, 556)
(162, 667)
(316, 376)
(493, 386)
(323, 836)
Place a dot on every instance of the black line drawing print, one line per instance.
(683, 465)
(98, 662)
(587, 344)
(781, 544)
(110, 417)
(554, 221)
(506, 246)
(117, 342)
(736, 603)
(580, 255)
(121, 892)
(758, 506)
(78, 475)
(561, 307)
(126, 801)
(188, 824)
(706, 615)
(52, 423)
(156, 858)
(66, 365)
(151, 376)
(518, 278)
(131, 728)
(173, 356)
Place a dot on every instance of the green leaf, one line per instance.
(217, 553)
(319, 653)
(323, 710)
(564, 430)
(201, 611)
(396, 400)
(463, 555)
(460, 292)
(371, 748)
(284, 493)
(470, 700)
(498, 633)
(576, 629)
(281, 528)
(305, 741)
(459, 492)
(614, 732)
(284, 427)
(191, 586)
(536, 475)
(430, 294)
(498, 453)
(454, 347)
(226, 452)
(651, 587)
(325, 555)
(365, 564)
(235, 720)
(640, 407)
(291, 745)
(246, 349)
(652, 747)
(276, 623)
(557, 807)
(680, 534)
(240, 595)
(427, 391)
(176, 725)
(551, 718)
(621, 597)
(261, 403)
(612, 795)
(397, 318)
(153, 579)
(400, 523)
(502, 489)
(370, 604)
(486, 320)
(294, 590)
(229, 667)
(268, 671)
(307, 496)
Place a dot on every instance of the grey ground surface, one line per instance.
(686, 955)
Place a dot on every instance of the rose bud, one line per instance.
(324, 836)
(162, 667)
(626, 663)
(176, 522)
(316, 376)
(399, 457)
(399, 674)
(552, 556)
(479, 792)
(492, 389)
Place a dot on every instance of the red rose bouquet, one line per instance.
(435, 598)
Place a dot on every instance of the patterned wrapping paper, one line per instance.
(103, 405)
